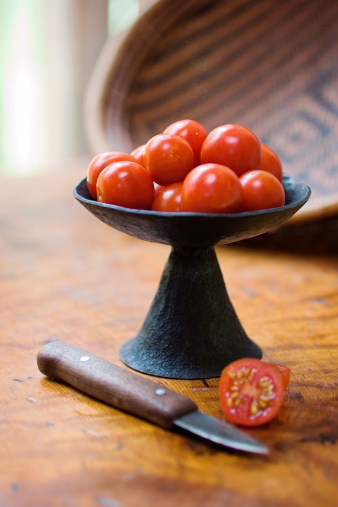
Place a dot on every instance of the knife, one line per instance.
(138, 395)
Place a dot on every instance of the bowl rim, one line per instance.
(286, 180)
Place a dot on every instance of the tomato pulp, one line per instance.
(284, 372)
(251, 392)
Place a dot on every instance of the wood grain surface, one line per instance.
(66, 276)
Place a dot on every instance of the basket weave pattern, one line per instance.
(266, 64)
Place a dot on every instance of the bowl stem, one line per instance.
(191, 330)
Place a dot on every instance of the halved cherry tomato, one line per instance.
(251, 392)
(126, 184)
(168, 198)
(271, 162)
(168, 158)
(211, 188)
(138, 154)
(284, 372)
(193, 132)
(234, 146)
(101, 161)
(261, 190)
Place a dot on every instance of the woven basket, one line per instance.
(268, 64)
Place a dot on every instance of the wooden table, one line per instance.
(66, 276)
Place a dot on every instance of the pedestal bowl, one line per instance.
(191, 330)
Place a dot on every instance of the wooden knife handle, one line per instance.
(114, 385)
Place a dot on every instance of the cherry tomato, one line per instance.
(126, 184)
(261, 190)
(168, 198)
(99, 163)
(271, 162)
(138, 154)
(284, 372)
(157, 188)
(193, 132)
(168, 158)
(211, 188)
(251, 392)
(234, 146)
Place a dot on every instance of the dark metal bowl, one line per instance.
(191, 330)
(196, 230)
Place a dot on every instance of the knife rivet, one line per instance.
(160, 391)
(84, 359)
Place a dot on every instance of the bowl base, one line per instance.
(191, 330)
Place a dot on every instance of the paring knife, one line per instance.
(137, 395)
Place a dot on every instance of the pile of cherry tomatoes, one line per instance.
(187, 168)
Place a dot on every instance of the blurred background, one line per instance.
(48, 49)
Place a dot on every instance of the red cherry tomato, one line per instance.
(193, 132)
(157, 188)
(211, 188)
(271, 162)
(168, 198)
(126, 184)
(261, 190)
(168, 158)
(138, 154)
(284, 372)
(101, 161)
(251, 392)
(234, 146)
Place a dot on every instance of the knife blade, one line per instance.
(138, 395)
